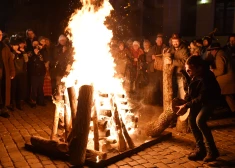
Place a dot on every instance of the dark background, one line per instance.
(50, 17)
(130, 18)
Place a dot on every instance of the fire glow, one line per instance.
(94, 65)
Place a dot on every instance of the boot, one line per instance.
(19, 105)
(211, 155)
(199, 153)
(33, 104)
(11, 107)
(4, 112)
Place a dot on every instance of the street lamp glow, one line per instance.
(204, 1)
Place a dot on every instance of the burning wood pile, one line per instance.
(97, 117)
(92, 103)
(98, 121)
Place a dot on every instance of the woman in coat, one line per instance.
(225, 76)
(7, 72)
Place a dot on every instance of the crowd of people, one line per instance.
(141, 65)
(30, 69)
(203, 74)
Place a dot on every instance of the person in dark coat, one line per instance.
(37, 71)
(29, 40)
(179, 53)
(202, 97)
(19, 82)
(61, 60)
(229, 48)
(155, 74)
(7, 72)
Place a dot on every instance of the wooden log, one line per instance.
(73, 103)
(120, 139)
(127, 136)
(56, 148)
(155, 128)
(95, 129)
(56, 119)
(80, 131)
(94, 154)
(50, 146)
(67, 117)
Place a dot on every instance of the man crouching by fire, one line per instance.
(203, 94)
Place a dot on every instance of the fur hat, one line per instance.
(14, 40)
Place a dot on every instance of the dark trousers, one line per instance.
(37, 88)
(18, 88)
(198, 122)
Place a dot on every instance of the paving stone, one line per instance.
(127, 160)
(47, 162)
(125, 166)
(149, 165)
(133, 163)
(147, 156)
(5, 159)
(136, 157)
(141, 161)
(50, 166)
(112, 166)
(139, 166)
(7, 164)
(187, 165)
(32, 161)
(175, 165)
(21, 164)
(36, 165)
(161, 165)
(153, 161)
(120, 163)
(167, 161)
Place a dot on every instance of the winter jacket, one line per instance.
(224, 73)
(202, 90)
(179, 58)
(36, 65)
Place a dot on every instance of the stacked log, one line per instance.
(80, 131)
(77, 126)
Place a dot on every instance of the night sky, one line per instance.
(50, 17)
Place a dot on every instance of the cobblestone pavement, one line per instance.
(17, 129)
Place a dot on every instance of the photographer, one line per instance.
(37, 71)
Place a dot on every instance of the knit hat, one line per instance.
(136, 43)
(175, 36)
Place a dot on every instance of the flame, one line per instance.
(93, 63)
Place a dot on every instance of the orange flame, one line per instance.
(93, 63)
